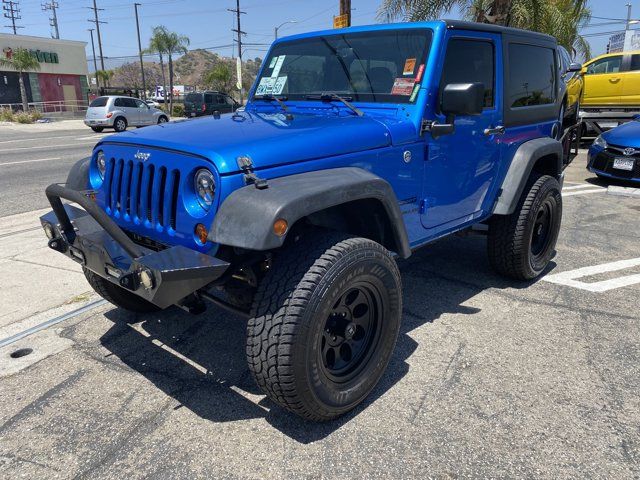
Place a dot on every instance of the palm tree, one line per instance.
(105, 76)
(157, 45)
(21, 61)
(174, 44)
(560, 18)
(220, 77)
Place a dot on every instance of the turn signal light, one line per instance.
(280, 227)
(201, 233)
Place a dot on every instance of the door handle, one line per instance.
(614, 80)
(499, 130)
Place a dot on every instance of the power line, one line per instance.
(53, 20)
(12, 12)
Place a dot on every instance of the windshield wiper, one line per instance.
(273, 98)
(332, 97)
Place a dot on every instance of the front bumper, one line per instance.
(600, 161)
(91, 238)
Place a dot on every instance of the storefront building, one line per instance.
(62, 78)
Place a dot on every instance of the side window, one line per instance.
(220, 99)
(635, 63)
(119, 102)
(130, 102)
(605, 65)
(469, 61)
(208, 98)
(140, 104)
(532, 76)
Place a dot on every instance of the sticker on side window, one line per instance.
(420, 73)
(414, 94)
(403, 86)
(409, 66)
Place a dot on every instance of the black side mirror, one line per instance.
(574, 67)
(458, 99)
(462, 99)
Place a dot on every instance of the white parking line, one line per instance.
(584, 192)
(578, 186)
(569, 278)
(30, 161)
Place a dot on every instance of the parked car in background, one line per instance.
(573, 82)
(616, 153)
(152, 103)
(612, 79)
(121, 112)
(197, 104)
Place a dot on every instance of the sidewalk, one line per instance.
(53, 126)
(33, 278)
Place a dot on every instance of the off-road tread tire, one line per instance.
(508, 241)
(277, 309)
(117, 295)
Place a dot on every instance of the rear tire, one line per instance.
(521, 245)
(117, 295)
(324, 324)
(97, 129)
(120, 124)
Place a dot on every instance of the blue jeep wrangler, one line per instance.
(356, 147)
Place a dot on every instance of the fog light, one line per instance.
(49, 231)
(201, 233)
(280, 227)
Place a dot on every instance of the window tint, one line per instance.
(470, 61)
(119, 102)
(99, 102)
(532, 74)
(130, 103)
(635, 62)
(220, 99)
(605, 65)
(208, 98)
(140, 104)
(193, 97)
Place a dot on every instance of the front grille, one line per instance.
(604, 162)
(142, 192)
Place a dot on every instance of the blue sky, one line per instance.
(208, 23)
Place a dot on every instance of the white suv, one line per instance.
(120, 112)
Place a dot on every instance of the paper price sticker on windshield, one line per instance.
(403, 86)
(278, 66)
(409, 66)
(279, 84)
(265, 87)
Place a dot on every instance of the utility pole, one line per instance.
(144, 84)
(95, 65)
(240, 33)
(53, 20)
(12, 12)
(628, 16)
(345, 9)
(97, 23)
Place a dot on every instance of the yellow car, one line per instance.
(612, 79)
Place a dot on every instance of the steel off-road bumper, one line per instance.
(91, 238)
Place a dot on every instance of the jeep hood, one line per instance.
(269, 139)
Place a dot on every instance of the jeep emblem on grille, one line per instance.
(629, 151)
(142, 156)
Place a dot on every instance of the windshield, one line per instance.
(379, 66)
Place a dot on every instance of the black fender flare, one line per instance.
(524, 160)
(78, 177)
(245, 218)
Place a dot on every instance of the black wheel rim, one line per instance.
(542, 228)
(351, 332)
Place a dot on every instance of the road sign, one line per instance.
(341, 21)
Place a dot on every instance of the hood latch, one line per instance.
(246, 165)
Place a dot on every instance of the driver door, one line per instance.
(461, 167)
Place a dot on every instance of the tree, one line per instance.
(105, 76)
(220, 77)
(175, 44)
(157, 45)
(21, 61)
(560, 18)
(128, 75)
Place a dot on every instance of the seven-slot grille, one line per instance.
(142, 192)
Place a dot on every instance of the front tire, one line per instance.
(521, 245)
(162, 120)
(117, 295)
(324, 324)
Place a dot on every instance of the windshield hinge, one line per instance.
(425, 126)
(246, 165)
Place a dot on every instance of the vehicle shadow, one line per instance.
(607, 181)
(200, 362)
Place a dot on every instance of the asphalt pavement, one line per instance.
(490, 378)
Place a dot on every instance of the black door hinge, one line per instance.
(425, 126)
(246, 165)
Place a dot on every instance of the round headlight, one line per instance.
(205, 186)
(101, 163)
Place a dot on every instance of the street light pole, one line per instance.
(144, 84)
(279, 26)
(628, 16)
